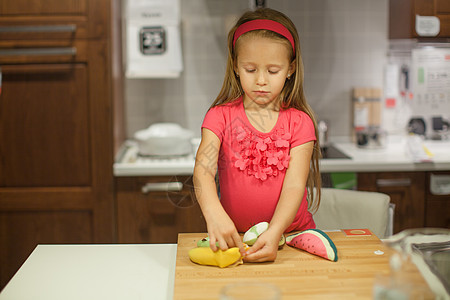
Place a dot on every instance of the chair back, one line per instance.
(348, 209)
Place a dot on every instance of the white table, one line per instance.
(144, 271)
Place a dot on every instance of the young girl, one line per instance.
(260, 134)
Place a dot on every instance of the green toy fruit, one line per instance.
(254, 232)
(205, 242)
(282, 241)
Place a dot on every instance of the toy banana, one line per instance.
(206, 256)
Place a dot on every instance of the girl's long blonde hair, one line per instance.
(292, 94)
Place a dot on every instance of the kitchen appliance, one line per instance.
(152, 35)
(366, 111)
(371, 138)
(417, 125)
(164, 140)
(366, 107)
(440, 128)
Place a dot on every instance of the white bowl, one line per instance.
(164, 139)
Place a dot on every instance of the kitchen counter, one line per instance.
(95, 272)
(164, 271)
(296, 273)
(394, 157)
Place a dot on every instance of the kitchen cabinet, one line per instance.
(56, 132)
(437, 206)
(154, 209)
(415, 204)
(402, 17)
(34, 20)
(407, 192)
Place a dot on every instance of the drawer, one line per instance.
(32, 20)
(45, 51)
(156, 209)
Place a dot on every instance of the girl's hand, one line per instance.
(221, 229)
(265, 248)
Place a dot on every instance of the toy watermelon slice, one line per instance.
(314, 241)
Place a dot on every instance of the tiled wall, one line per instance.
(344, 44)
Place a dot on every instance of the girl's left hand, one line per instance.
(264, 249)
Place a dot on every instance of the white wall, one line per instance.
(344, 44)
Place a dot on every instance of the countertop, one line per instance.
(95, 272)
(164, 271)
(393, 157)
(298, 274)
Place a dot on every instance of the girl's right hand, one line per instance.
(221, 229)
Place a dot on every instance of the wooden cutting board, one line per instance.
(296, 272)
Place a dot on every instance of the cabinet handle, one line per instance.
(162, 187)
(39, 51)
(44, 28)
(393, 182)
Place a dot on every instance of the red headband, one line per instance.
(264, 24)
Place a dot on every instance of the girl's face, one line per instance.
(263, 66)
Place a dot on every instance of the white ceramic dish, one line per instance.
(164, 139)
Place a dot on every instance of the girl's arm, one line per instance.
(265, 248)
(220, 227)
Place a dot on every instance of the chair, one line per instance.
(347, 209)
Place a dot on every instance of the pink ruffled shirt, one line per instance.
(252, 164)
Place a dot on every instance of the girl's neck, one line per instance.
(262, 118)
(254, 107)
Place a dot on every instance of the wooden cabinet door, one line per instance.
(44, 126)
(56, 157)
(56, 126)
(437, 8)
(437, 206)
(407, 192)
(442, 6)
(149, 210)
(402, 17)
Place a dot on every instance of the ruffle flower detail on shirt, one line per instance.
(261, 157)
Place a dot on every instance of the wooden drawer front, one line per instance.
(438, 213)
(407, 192)
(45, 19)
(438, 206)
(44, 126)
(48, 51)
(154, 215)
(43, 7)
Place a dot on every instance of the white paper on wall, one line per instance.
(431, 82)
